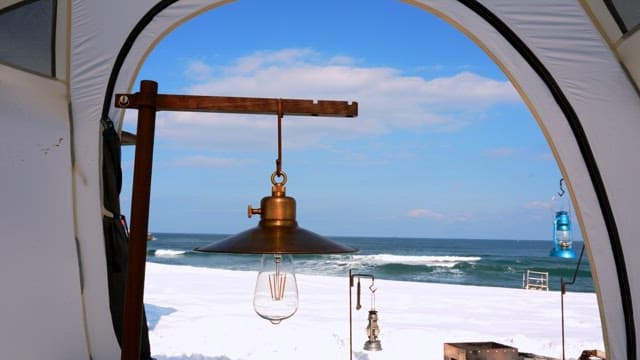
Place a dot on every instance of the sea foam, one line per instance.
(168, 252)
(443, 261)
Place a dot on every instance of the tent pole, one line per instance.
(134, 293)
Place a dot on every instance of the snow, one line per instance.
(207, 314)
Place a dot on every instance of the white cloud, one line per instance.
(198, 71)
(387, 100)
(425, 213)
(267, 59)
(467, 87)
(341, 60)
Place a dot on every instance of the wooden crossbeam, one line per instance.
(241, 105)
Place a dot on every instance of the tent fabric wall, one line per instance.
(572, 52)
(99, 32)
(607, 106)
(41, 304)
(547, 37)
(596, 87)
(99, 50)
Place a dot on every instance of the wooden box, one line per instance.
(479, 351)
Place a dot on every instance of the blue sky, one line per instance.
(443, 145)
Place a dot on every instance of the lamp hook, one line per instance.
(561, 193)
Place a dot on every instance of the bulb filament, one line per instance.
(277, 281)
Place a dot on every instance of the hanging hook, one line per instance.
(373, 290)
(561, 193)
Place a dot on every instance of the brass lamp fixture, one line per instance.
(277, 236)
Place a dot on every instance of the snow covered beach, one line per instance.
(207, 314)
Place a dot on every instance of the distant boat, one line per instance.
(150, 237)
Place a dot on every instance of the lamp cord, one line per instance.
(279, 159)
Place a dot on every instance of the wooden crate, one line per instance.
(479, 351)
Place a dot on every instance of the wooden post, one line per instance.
(134, 292)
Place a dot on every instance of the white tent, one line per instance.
(575, 63)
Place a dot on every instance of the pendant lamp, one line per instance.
(276, 236)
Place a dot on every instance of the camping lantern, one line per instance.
(373, 344)
(373, 330)
(562, 235)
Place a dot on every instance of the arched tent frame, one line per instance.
(564, 64)
(525, 52)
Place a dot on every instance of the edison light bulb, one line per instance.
(276, 295)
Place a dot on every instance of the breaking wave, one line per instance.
(168, 252)
(432, 261)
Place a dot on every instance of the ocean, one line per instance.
(483, 262)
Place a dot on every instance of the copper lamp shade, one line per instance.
(277, 240)
(278, 231)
